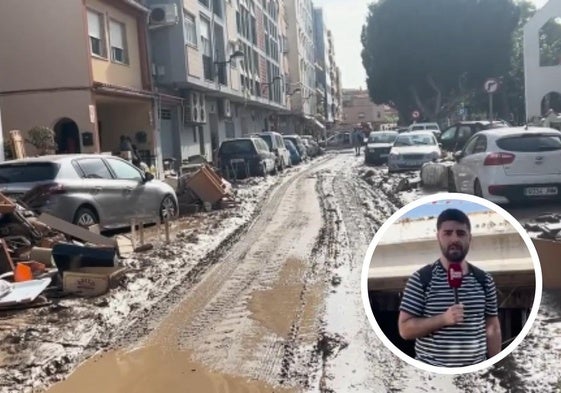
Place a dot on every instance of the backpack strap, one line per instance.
(480, 276)
(425, 274)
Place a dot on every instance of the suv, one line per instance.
(297, 140)
(275, 142)
(246, 156)
(455, 137)
(426, 127)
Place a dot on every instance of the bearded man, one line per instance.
(449, 333)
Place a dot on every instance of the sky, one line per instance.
(435, 208)
(345, 19)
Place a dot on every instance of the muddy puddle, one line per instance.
(154, 369)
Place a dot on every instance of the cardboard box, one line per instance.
(549, 253)
(91, 281)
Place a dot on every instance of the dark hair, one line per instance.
(453, 215)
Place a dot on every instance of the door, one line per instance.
(469, 166)
(448, 137)
(133, 190)
(98, 184)
(462, 136)
(166, 133)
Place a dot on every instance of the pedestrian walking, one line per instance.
(358, 139)
(451, 327)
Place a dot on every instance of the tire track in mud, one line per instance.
(215, 319)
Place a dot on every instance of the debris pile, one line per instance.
(42, 256)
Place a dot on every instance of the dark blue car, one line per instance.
(294, 154)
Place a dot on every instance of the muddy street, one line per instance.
(273, 306)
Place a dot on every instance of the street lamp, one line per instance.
(268, 84)
(233, 56)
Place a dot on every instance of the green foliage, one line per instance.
(433, 55)
(550, 43)
(43, 139)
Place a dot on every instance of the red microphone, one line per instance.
(455, 276)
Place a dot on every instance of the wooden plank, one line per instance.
(18, 144)
(6, 263)
(6, 205)
(75, 231)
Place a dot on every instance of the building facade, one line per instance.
(95, 84)
(323, 70)
(358, 108)
(336, 82)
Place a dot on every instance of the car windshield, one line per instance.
(432, 127)
(418, 128)
(530, 143)
(382, 138)
(414, 140)
(237, 147)
(27, 173)
(267, 138)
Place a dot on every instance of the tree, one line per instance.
(432, 55)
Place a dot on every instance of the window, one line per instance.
(204, 2)
(190, 30)
(481, 145)
(530, 143)
(94, 168)
(124, 171)
(448, 134)
(118, 39)
(206, 49)
(464, 133)
(470, 146)
(28, 173)
(96, 31)
(230, 130)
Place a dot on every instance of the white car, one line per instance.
(412, 149)
(434, 127)
(509, 164)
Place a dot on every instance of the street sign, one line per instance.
(491, 85)
(416, 114)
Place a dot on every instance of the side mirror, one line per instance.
(148, 176)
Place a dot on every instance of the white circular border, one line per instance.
(537, 296)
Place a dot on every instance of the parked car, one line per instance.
(412, 149)
(455, 137)
(378, 146)
(434, 127)
(295, 158)
(87, 189)
(313, 148)
(276, 145)
(510, 164)
(243, 157)
(299, 145)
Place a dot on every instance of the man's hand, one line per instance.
(454, 315)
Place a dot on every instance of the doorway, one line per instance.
(67, 137)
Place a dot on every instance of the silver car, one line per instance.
(87, 189)
(412, 149)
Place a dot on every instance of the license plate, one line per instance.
(540, 191)
(237, 161)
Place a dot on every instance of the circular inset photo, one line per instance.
(451, 283)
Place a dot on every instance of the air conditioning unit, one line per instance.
(226, 108)
(163, 15)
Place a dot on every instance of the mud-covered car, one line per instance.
(378, 146)
(243, 157)
(412, 149)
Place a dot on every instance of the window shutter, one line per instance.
(94, 25)
(116, 32)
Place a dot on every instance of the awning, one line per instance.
(315, 121)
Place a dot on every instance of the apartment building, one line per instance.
(336, 82)
(302, 72)
(81, 69)
(218, 66)
(358, 108)
(323, 68)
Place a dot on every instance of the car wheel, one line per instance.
(85, 217)
(282, 166)
(477, 189)
(451, 182)
(168, 208)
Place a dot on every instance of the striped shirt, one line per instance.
(458, 345)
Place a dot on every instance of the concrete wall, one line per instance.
(54, 36)
(24, 111)
(539, 81)
(106, 71)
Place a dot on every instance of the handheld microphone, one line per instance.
(455, 276)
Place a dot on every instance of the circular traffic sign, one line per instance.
(416, 114)
(491, 85)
